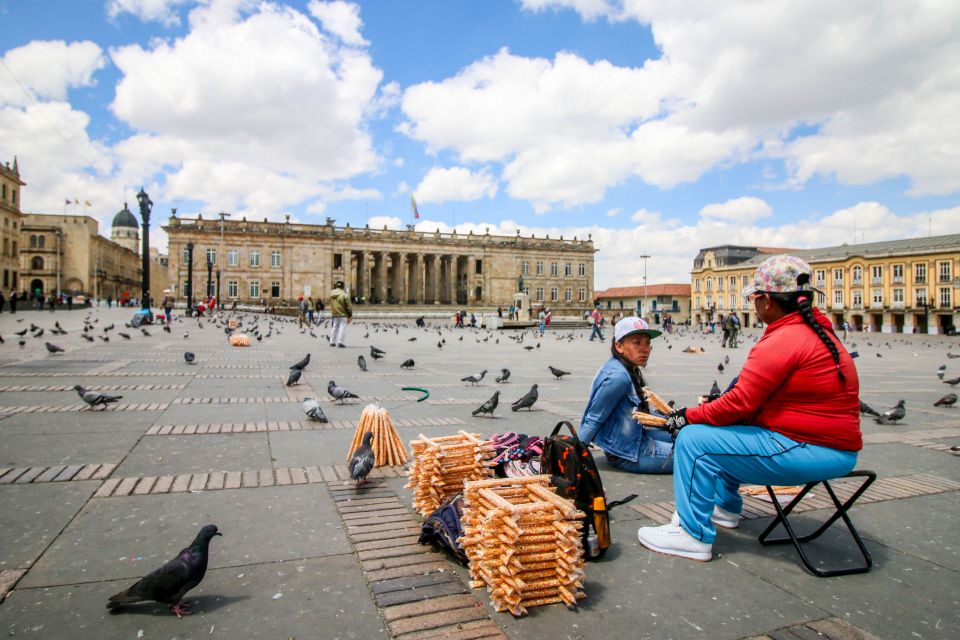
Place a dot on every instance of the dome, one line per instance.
(125, 219)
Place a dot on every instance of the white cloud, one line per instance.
(743, 210)
(390, 222)
(342, 19)
(613, 213)
(646, 217)
(457, 184)
(46, 69)
(589, 9)
(163, 11)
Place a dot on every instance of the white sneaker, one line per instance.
(674, 541)
(720, 517)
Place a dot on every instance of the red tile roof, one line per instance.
(638, 292)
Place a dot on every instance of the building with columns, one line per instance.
(897, 286)
(10, 186)
(280, 261)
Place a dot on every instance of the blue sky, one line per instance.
(654, 127)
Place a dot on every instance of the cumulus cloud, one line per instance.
(342, 19)
(446, 184)
(164, 11)
(46, 69)
(743, 210)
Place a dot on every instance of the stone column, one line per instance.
(432, 269)
(400, 277)
(471, 279)
(380, 276)
(420, 278)
(361, 281)
(454, 273)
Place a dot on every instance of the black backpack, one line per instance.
(442, 528)
(574, 476)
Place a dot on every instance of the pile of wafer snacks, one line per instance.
(523, 542)
(441, 466)
(656, 401)
(388, 449)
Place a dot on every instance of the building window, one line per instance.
(733, 282)
(254, 288)
(186, 255)
(837, 277)
(14, 254)
(6, 247)
(719, 302)
(582, 294)
(274, 258)
(820, 275)
(743, 280)
(897, 296)
(921, 297)
(33, 242)
(539, 268)
(274, 289)
(876, 274)
(582, 269)
(920, 273)
(857, 273)
(709, 285)
(232, 288)
(211, 256)
(838, 297)
(478, 293)
(36, 264)
(554, 294)
(568, 294)
(877, 297)
(554, 269)
(478, 267)
(943, 269)
(338, 261)
(539, 296)
(568, 269)
(233, 258)
(696, 285)
(720, 283)
(821, 299)
(897, 274)
(255, 262)
(733, 301)
(525, 267)
(857, 299)
(945, 298)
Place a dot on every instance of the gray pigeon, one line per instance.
(526, 402)
(362, 362)
(715, 391)
(953, 381)
(375, 353)
(339, 393)
(504, 375)
(189, 357)
(474, 378)
(363, 460)
(899, 412)
(488, 406)
(294, 377)
(170, 583)
(312, 408)
(946, 401)
(867, 409)
(52, 348)
(558, 372)
(302, 364)
(408, 364)
(123, 335)
(94, 398)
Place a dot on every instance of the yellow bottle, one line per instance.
(601, 523)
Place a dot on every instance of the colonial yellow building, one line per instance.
(652, 302)
(271, 262)
(898, 286)
(10, 185)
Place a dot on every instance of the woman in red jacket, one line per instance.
(791, 418)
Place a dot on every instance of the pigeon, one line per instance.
(83, 335)
(21, 333)
(375, 353)
(362, 362)
(953, 381)
(170, 583)
(144, 332)
(558, 372)
(38, 333)
(408, 364)
(946, 401)
(720, 367)
(504, 375)
(893, 415)
(189, 357)
(474, 378)
(726, 359)
(528, 348)
(715, 390)
(52, 348)
(94, 398)
(339, 393)
(302, 364)
(312, 408)
(167, 329)
(526, 402)
(488, 406)
(294, 377)
(867, 409)
(362, 461)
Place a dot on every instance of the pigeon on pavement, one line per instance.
(893, 415)
(294, 377)
(189, 357)
(504, 375)
(867, 409)
(123, 335)
(408, 364)
(375, 353)
(172, 581)
(94, 398)
(488, 406)
(52, 348)
(946, 401)
(953, 381)
(302, 364)
(363, 460)
(474, 378)
(339, 393)
(558, 372)
(312, 408)
(527, 400)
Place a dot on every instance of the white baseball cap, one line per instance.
(633, 324)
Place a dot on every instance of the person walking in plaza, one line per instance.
(542, 317)
(596, 320)
(311, 308)
(341, 314)
(14, 298)
(319, 307)
(616, 391)
(2, 301)
(301, 312)
(167, 305)
(792, 417)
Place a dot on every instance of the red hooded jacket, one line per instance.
(789, 384)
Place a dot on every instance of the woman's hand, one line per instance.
(676, 421)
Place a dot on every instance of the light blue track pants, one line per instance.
(710, 464)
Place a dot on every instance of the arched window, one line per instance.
(33, 242)
(857, 274)
(36, 263)
(42, 242)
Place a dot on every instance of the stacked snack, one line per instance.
(388, 450)
(523, 542)
(442, 465)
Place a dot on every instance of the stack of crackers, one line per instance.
(388, 449)
(442, 465)
(657, 403)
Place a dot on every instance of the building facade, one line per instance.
(897, 286)
(654, 303)
(10, 186)
(269, 262)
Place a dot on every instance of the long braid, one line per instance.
(800, 301)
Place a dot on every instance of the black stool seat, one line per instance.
(840, 513)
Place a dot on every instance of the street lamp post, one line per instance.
(644, 257)
(189, 290)
(146, 205)
(223, 215)
(209, 277)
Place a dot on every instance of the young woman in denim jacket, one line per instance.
(608, 422)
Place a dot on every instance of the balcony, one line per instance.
(837, 306)
(896, 306)
(876, 280)
(920, 280)
(857, 282)
(820, 284)
(876, 305)
(897, 280)
(857, 306)
(944, 279)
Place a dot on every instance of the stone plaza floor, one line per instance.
(92, 500)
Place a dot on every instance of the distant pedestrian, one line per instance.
(341, 312)
(2, 302)
(69, 302)
(311, 307)
(13, 301)
(499, 311)
(597, 321)
(542, 316)
(301, 311)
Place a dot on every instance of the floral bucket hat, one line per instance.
(779, 274)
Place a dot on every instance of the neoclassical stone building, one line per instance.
(10, 186)
(274, 261)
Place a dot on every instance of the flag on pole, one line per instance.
(87, 203)
(413, 206)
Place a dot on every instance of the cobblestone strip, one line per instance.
(418, 592)
(259, 427)
(101, 371)
(62, 473)
(911, 437)
(825, 629)
(96, 387)
(276, 399)
(80, 406)
(892, 488)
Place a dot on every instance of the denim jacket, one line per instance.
(607, 420)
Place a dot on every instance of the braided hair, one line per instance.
(800, 301)
(636, 378)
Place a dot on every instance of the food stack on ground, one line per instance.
(388, 449)
(442, 465)
(523, 542)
